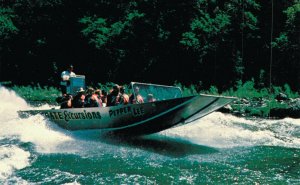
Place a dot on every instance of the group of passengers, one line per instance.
(98, 98)
(88, 98)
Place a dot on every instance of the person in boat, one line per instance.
(65, 79)
(150, 98)
(91, 99)
(104, 98)
(113, 98)
(99, 95)
(98, 92)
(135, 97)
(66, 102)
(79, 99)
(124, 98)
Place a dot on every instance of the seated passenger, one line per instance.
(98, 94)
(78, 100)
(91, 100)
(138, 98)
(104, 98)
(114, 97)
(124, 98)
(150, 98)
(66, 101)
(89, 92)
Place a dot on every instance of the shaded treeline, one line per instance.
(160, 41)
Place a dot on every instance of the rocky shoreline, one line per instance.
(292, 111)
(279, 108)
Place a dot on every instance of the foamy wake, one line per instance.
(226, 131)
(12, 158)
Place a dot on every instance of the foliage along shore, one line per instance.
(252, 101)
(217, 42)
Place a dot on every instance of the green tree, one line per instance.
(218, 32)
(288, 44)
(289, 39)
(100, 33)
(7, 27)
(111, 37)
(7, 30)
(205, 30)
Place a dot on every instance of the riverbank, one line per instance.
(277, 102)
(252, 101)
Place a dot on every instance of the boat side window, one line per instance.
(153, 92)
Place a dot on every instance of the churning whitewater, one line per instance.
(218, 148)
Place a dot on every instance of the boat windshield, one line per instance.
(153, 92)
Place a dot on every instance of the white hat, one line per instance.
(80, 90)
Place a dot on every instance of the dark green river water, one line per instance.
(218, 149)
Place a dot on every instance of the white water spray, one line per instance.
(12, 158)
(226, 131)
(34, 129)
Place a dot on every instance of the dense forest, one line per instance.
(202, 42)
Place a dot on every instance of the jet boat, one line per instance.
(169, 109)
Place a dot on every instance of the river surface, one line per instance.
(218, 149)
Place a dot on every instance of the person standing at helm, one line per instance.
(65, 79)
